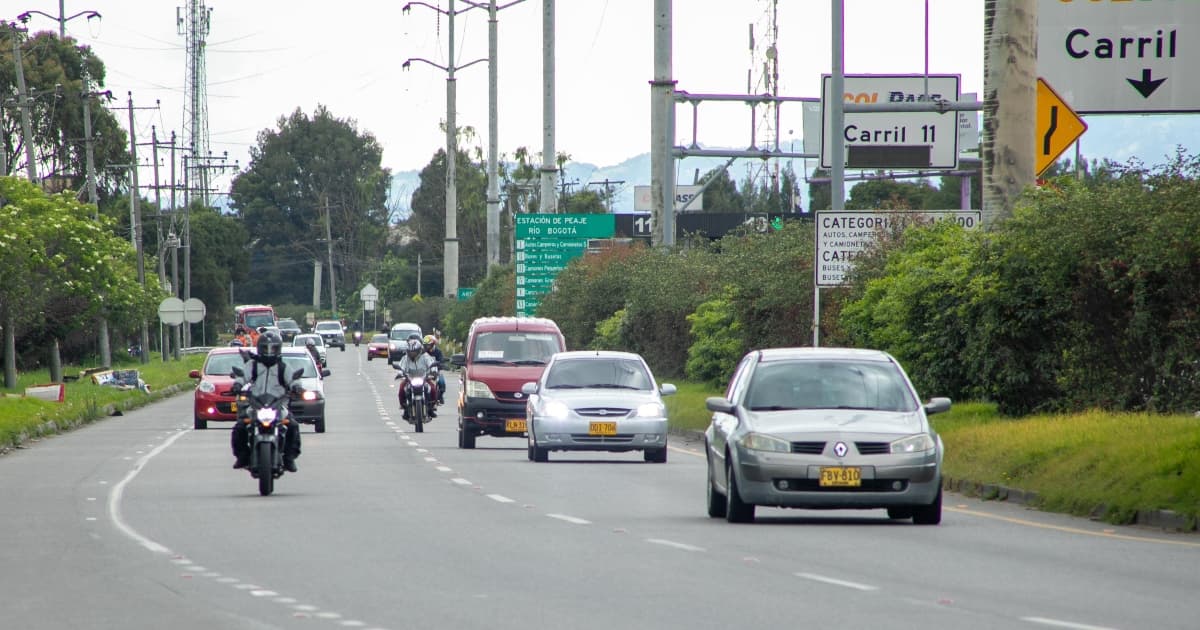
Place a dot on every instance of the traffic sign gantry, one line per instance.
(1057, 126)
(1121, 57)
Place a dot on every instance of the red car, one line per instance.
(214, 401)
(378, 347)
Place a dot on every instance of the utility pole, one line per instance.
(549, 203)
(24, 102)
(608, 184)
(94, 197)
(662, 129)
(329, 246)
(135, 223)
(1009, 104)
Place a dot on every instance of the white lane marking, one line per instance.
(114, 497)
(570, 519)
(352, 624)
(422, 450)
(460, 481)
(499, 498)
(676, 545)
(1063, 624)
(305, 607)
(263, 593)
(329, 615)
(837, 582)
(445, 469)
(431, 459)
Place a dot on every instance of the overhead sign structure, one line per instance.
(842, 235)
(1058, 126)
(643, 202)
(893, 139)
(1121, 57)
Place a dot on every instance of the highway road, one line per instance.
(138, 521)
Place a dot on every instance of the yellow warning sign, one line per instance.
(1058, 126)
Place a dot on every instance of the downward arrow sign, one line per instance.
(1146, 86)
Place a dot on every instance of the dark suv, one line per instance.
(288, 329)
(502, 354)
(333, 334)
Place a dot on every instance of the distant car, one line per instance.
(378, 347)
(213, 402)
(309, 408)
(823, 428)
(332, 332)
(398, 334)
(597, 401)
(288, 328)
(302, 340)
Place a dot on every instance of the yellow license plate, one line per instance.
(602, 428)
(233, 406)
(841, 476)
(514, 426)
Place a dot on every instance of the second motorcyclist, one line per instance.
(431, 348)
(265, 373)
(415, 362)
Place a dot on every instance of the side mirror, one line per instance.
(529, 388)
(298, 373)
(719, 405)
(458, 359)
(194, 374)
(325, 372)
(937, 405)
(237, 372)
(666, 389)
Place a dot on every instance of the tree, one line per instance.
(218, 258)
(888, 194)
(58, 75)
(722, 195)
(308, 171)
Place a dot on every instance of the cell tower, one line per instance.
(192, 22)
(763, 78)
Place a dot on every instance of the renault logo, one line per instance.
(602, 412)
(840, 449)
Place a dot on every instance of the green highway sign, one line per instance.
(547, 257)
(534, 281)
(527, 306)
(465, 293)
(528, 269)
(565, 226)
(551, 244)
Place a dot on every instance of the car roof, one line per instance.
(597, 354)
(533, 324)
(807, 354)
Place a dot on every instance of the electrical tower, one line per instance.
(192, 22)
(763, 78)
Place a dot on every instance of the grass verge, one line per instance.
(1109, 465)
(22, 418)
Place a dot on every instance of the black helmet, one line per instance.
(270, 346)
(414, 345)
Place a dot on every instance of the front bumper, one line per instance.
(214, 409)
(793, 480)
(574, 434)
(488, 416)
(307, 411)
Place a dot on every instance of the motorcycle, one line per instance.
(269, 416)
(421, 401)
(357, 337)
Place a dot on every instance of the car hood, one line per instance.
(841, 421)
(613, 398)
(505, 378)
(312, 383)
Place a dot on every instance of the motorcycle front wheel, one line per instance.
(265, 463)
(418, 415)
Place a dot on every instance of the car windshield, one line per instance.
(872, 385)
(254, 320)
(379, 339)
(598, 372)
(517, 348)
(333, 326)
(288, 324)
(302, 340)
(296, 361)
(403, 333)
(220, 364)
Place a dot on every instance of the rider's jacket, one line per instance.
(419, 367)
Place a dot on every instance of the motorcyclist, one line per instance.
(265, 373)
(414, 363)
(431, 348)
(242, 337)
(310, 344)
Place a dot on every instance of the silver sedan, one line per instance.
(823, 428)
(597, 401)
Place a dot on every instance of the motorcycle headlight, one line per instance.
(478, 389)
(764, 442)
(914, 444)
(207, 387)
(651, 410)
(309, 395)
(555, 409)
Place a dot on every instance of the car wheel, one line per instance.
(320, 424)
(466, 439)
(529, 452)
(736, 511)
(199, 424)
(368, 357)
(900, 513)
(929, 514)
(655, 455)
(716, 500)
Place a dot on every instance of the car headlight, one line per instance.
(207, 387)
(309, 395)
(764, 442)
(651, 410)
(556, 409)
(478, 389)
(914, 444)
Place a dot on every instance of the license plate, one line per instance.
(602, 428)
(514, 426)
(841, 476)
(233, 406)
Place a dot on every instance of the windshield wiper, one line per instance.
(609, 386)
(773, 408)
(494, 361)
(563, 386)
(529, 362)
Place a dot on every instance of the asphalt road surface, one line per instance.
(138, 521)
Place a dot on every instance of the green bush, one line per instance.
(717, 344)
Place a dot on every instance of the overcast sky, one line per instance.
(266, 58)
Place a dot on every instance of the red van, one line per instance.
(501, 355)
